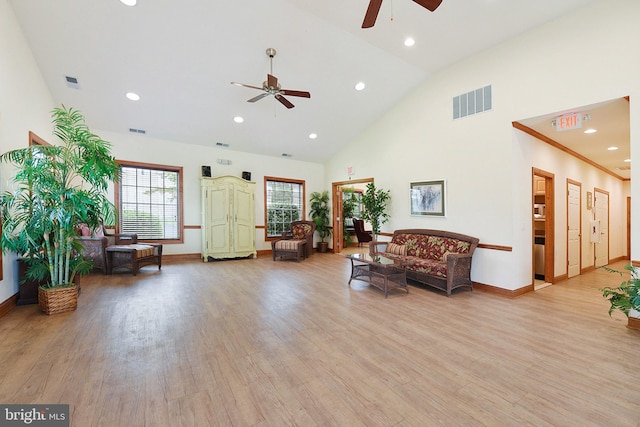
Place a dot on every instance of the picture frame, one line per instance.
(428, 198)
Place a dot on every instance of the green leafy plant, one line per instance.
(375, 204)
(57, 187)
(626, 296)
(320, 213)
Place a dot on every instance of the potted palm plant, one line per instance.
(56, 188)
(375, 200)
(320, 215)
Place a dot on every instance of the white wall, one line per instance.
(191, 157)
(581, 59)
(25, 103)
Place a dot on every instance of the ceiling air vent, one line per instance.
(72, 82)
(132, 130)
(473, 102)
(624, 168)
(287, 155)
(222, 144)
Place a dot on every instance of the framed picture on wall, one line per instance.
(428, 198)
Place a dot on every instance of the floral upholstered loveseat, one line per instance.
(437, 258)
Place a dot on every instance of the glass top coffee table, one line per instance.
(377, 270)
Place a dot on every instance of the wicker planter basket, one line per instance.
(58, 300)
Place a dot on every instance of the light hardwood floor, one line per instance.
(264, 343)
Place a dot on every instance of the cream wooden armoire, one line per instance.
(228, 218)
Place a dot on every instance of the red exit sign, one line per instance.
(571, 121)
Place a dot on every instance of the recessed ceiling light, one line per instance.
(409, 42)
(129, 2)
(133, 96)
(590, 130)
(238, 119)
(313, 135)
(627, 160)
(360, 86)
(612, 148)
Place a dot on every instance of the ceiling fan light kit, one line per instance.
(271, 87)
(374, 8)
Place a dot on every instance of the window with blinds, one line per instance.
(284, 201)
(150, 201)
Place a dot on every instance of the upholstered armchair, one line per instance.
(296, 243)
(362, 235)
(96, 242)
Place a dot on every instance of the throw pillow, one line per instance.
(394, 248)
(84, 230)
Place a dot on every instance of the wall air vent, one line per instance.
(222, 144)
(287, 155)
(72, 82)
(140, 131)
(473, 102)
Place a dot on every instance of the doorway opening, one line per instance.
(543, 236)
(337, 190)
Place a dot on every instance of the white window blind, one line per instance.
(285, 203)
(149, 202)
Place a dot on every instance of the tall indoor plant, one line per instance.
(320, 215)
(57, 187)
(375, 200)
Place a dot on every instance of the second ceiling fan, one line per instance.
(272, 87)
(374, 7)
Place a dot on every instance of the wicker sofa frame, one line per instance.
(458, 265)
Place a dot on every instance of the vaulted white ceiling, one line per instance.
(180, 57)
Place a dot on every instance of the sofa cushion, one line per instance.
(421, 265)
(289, 245)
(394, 248)
(446, 254)
(300, 231)
(428, 266)
(430, 247)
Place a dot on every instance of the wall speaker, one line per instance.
(206, 171)
(246, 175)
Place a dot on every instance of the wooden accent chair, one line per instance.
(362, 235)
(100, 247)
(296, 243)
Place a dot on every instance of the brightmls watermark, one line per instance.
(34, 415)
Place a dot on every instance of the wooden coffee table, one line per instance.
(377, 270)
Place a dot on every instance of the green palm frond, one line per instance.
(56, 188)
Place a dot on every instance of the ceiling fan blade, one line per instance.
(258, 98)
(284, 101)
(244, 85)
(372, 13)
(299, 93)
(429, 4)
(272, 81)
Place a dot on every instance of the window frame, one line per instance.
(152, 166)
(303, 215)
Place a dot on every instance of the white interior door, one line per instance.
(601, 207)
(574, 240)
